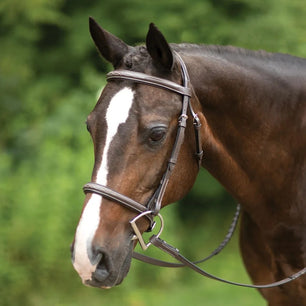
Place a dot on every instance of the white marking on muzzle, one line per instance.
(117, 113)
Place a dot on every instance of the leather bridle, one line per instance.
(154, 204)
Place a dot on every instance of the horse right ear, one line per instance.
(159, 49)
(110, 47)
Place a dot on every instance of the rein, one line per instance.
(153, 206)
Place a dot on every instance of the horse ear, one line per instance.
(110, 47)
(159, 48)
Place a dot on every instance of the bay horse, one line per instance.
(251, 112)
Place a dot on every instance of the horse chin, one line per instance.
(107, 284)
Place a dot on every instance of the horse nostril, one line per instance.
(101, 272)
(102, 269)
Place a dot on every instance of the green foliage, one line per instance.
(50, 76)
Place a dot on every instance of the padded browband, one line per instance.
(148, 80)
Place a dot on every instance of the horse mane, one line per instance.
(280, 63)
(235, 53)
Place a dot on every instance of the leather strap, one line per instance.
(117, 197)
(161, 263)
(184, 262)
(155, 203)
(164, 246)
(114, 196)
(143, 78)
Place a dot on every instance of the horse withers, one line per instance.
(252, 112)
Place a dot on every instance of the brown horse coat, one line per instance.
(252, 106)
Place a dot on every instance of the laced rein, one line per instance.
(154, 205)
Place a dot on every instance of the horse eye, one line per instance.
(157, 134)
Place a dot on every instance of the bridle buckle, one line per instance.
(138, 236)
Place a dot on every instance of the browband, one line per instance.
(148, 80)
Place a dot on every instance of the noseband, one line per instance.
(154, 204)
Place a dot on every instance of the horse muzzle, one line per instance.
(103, 268)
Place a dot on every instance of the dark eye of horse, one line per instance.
(157, 134)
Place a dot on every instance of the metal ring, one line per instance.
(138, 235)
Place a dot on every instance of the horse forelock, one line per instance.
(137, 59)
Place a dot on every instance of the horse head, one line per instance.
(133, 127)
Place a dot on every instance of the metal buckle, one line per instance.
(138, 235)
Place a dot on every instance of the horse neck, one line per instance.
(246, 109)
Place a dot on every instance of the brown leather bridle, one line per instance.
(154, 204)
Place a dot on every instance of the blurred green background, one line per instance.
(50, 77)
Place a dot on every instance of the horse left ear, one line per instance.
(159, 48)
(110, 47)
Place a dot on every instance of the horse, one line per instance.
(250, 107)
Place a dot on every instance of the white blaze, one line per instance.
(116, 114)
